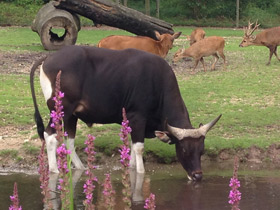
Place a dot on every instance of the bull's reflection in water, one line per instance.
(140, 189)
(53, 182)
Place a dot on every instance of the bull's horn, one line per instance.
(181, 133)
(205, 128)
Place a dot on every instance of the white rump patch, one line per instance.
(45, 84)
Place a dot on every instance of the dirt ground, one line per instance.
(12, 138)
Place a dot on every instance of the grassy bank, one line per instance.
(246, 93)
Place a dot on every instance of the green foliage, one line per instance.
(25, 2)
(266, 16)
(220, 13)
(163, 152)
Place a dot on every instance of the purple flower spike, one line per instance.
(15, 200)
(234, 194)
(89, 185)
(44, 177)
(108, 193)
(125, 157)
(57, 114)
(150, 202)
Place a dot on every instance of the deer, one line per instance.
(196, 35)
(212, 45)
(269, 37)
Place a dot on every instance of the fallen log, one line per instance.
(115, 15)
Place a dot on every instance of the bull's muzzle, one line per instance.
(197, 176)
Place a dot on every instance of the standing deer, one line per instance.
(269, 38)
(196, 35)
(212, 45)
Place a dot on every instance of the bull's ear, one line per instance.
(158, 36)
(163, 136)
(176, 35)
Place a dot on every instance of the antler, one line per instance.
(248, 31)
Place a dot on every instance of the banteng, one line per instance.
(269, 38)
(99, 83)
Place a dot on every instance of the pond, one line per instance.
(260, 188)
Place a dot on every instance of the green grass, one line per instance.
(31, 149)
(246, 93)
(8, 152)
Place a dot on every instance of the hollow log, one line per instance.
(111, 14)
(49, 18)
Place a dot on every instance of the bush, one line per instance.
(265, 17)
(26, 2)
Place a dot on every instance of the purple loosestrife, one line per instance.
(44, 177)
(108, 193)
(89, 185)
(234, 194)
(63, 155)
(150, 202)
(125, 157)
(64, 185)
(15, 200)
(58, 114)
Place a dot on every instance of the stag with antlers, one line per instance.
(269, 38)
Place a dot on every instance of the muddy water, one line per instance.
(260, 188)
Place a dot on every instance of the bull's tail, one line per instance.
(37, 115)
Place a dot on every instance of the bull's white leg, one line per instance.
(51, 144)
(138, 149)
(75, 158)
(132, 162)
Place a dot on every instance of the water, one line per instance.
(260, 188)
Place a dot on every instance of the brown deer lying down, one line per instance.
(160, 47)
(196, 35)
(269, 38)
(212, 45)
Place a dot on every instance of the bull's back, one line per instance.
(104, 81)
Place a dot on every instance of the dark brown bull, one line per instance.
(98, 83)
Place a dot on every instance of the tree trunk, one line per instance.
(157, 1)
(237, 13)
(111, 14)
(49, 18)
(147, 7)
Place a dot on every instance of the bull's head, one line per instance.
(189, 146)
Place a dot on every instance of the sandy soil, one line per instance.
(12, 138)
